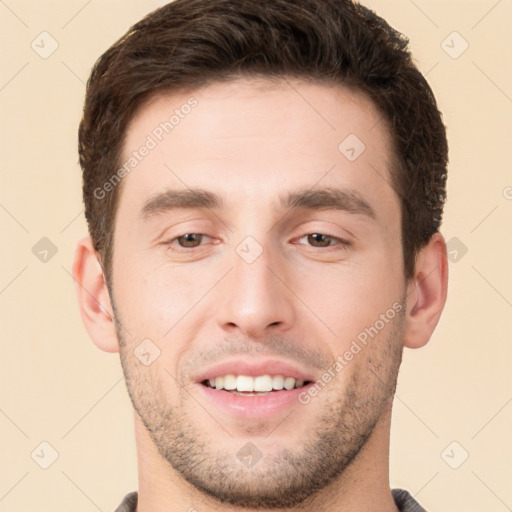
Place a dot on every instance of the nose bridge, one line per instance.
(251, 274)
(255, 298)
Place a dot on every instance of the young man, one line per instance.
(264, 185)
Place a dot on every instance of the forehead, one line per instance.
(253, 140)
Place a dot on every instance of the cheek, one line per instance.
(153, 296)
(350, 297)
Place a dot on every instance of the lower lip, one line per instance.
(262, 406)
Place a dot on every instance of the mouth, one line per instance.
(254, 389)
(247, 385)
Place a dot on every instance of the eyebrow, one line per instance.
(329, 198)
(171, 199)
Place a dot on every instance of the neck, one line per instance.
(364, 485)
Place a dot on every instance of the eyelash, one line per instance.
(344, 244)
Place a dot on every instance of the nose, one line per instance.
(256, 299)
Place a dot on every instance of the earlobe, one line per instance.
(93, 298)
(427, 293)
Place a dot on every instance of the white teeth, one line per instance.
(229, 382)
(289, 383)
(261, 384)
(244, 383)
(278, 382)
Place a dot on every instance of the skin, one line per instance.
(303, 300)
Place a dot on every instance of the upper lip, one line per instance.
(254, 369)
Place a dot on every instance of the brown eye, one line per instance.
(324, 241)
(319, 240)
(185, 243)
(189, 239)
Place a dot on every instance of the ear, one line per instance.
(426, 292)
(93, 298)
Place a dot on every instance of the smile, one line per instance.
(245, 384)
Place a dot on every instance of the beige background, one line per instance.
(55, 386)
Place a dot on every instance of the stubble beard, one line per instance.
(286, 478)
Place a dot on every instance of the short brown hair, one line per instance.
(191, 43)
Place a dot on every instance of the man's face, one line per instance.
(256, 285)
